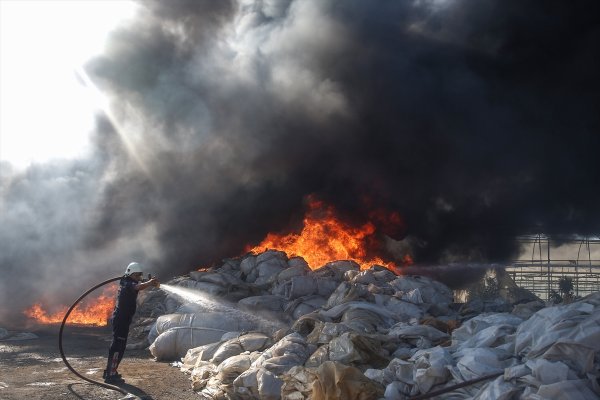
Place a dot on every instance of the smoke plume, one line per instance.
(476, 121)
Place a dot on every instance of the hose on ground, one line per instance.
(123, 391)
(60, 344)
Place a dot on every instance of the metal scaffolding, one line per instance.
(541, 274)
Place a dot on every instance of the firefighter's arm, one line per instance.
(144, 285)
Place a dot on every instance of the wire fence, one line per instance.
(543, 272)
(542, 279)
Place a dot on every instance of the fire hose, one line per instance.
(60, 345)
(123, 391)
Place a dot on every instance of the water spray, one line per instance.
(189, 295)
(199, 297)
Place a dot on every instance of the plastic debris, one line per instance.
(346, 333)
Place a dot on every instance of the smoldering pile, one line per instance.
(268, 327)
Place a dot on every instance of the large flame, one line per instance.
(326, 238)
(95, 312)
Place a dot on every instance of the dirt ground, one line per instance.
(33, 369)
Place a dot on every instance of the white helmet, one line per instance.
(132, 268)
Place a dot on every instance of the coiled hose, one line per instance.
(60, 345)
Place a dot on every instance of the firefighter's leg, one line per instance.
(116, 350)
(123, 347)
(115, 354)
(123, 332)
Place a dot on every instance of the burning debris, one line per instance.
(268, 326)
(282, 323)
(220, 117)
(324, 237)
(94, 312)
(223, 117)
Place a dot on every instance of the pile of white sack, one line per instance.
(268, 327)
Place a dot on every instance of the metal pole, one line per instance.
(549, 281)
(577, 267)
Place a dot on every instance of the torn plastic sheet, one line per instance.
(431, 291)
(567, 390)
(216, 322)
(431, 367)
(492, 336)
(217, 278)
(254, 341)
(403, 329)
(318, 357)
(498, 389)
(403, 309)
(547, 372)
(304, 305)
(354, 348)
(363, 321)
(232, 367)
(290, 351)
(337, 311)
(264, 302)
(330, 381)
(269, 385)
(175, 342)
(478, 323)
(577, 356)
(576, 322)
(478, 362)
(297, 267)
(324, 332)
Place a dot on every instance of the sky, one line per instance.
(177, 132)
(43, 44)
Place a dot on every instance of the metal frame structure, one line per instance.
(542, 273)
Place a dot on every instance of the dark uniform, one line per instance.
(121, 319)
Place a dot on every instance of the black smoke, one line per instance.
(476, 121)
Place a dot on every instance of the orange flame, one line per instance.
(325, 238)
(96, 312)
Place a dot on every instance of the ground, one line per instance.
(33, 369)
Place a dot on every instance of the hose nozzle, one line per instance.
(156, 284)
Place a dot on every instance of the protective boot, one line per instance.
(116, 378)
(110, 374)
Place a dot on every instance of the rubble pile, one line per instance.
(280, 330)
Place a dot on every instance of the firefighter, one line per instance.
(129, 286)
